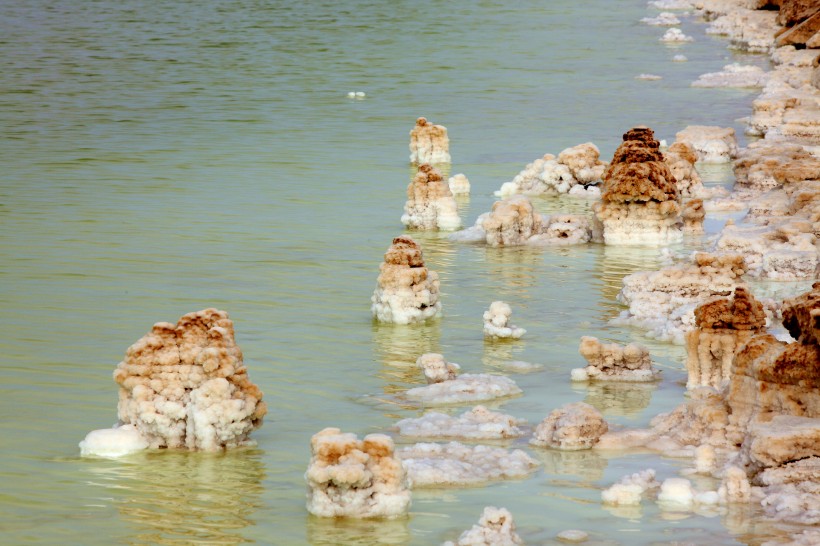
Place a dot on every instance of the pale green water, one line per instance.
(163, 157)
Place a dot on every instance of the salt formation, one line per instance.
(648, 77)
(663, 302)
(494, 528)
(679, 58)
(630, 489)
(497, 322)
(430, 465)
(639, 203)
(722, 327)
(348, 477)
(430, 204)
(183, 386)
(664, 19)
(733, 75)
(576, 171)
(611, 362)
(478, 423)
(748, 30)
(676, 491)
(113, 442)
(429, 143)
(712, 144)
(459, 184)
(436, 369)
(465, 388)
(675, 35)
(572, 535)
(572, 427)
(406, 290)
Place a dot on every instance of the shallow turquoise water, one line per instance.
(163, 157)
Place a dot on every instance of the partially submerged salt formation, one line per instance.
(495, 527)
(663, 19)
(431, 465)
(348, 477)
(436, 369)
(576, 171)
(572, 427)
(465, 388)
(459, 184)
(712, 144)
(722, 327)
(429, 143)
(639, 203)
(630, 489)
(406, 290)
(430, 204)
(664, 301)
(478, 423)
(612, 362)
(184, 386)
(733, 75)
(497, 322)
(675, 35)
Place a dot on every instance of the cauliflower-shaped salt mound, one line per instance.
(629, 489)
(429, 143)
(185, 385)
(478, 423)
(459, 184)
(733, 75)
(723, 326)
(494, 528)
(712, 144)
(639, 201)
(675, 35)
(436, 369)
(348, 477)
(430, 204)
(572, 427)
(433, 465)
(497, 322)
(406, 290)
(576, 171)
(611, 362)
(465, 388)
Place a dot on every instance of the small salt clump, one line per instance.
(429, 143)
(478, 423)
(629, 489)
(494, 528)
(459, 184)
(648, 77)
(113, 442)
(679, 58)
(356, 95)
(675, 35)
(406, 290)
(436, 369)
(676, 492)
(497, 322)
(348, 477)
(572, 427)
(664, 19)
(430, 204)
(611, 362)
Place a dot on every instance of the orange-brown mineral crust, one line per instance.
(638, 171)
(404, 251)
(743, 312)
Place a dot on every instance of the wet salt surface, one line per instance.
(164, 159)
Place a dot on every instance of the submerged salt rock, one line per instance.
(459, 184)
(712, 144)
(478, 423)
(429, 143)
(406, 290)
(348, 477)
(185, 385)
(431, 465)
(494, 528)
(612, 362)
(630, 489)
(113, 442)
(722, 327)
(497, 322)
(465, 388)
(436, 369)
(639, 202)
(430, 204)
(572, 427)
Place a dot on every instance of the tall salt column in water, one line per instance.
(429, 143)
(639, 203)
(406, 290)
(430, 203)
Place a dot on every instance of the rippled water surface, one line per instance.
(163, 157)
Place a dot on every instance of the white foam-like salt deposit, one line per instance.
(430, 464)
(675, 35)
(459, 184)
(497, 322)
(572, 535)
(676, 492)
(629, 489)
(356, 94)
(664, 19)
(671, 4)
(680, 58)
(478, 423)
(733, 75)
(649, 77)
(113, 442)
(465, 388)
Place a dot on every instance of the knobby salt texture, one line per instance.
(478, 423)
(572, 427)
(430, 203)
(612, 362)
(497, 322)
(495, 527)
(429, 143)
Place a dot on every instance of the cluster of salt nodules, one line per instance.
(445, 387)
(456, 464)
(497, 322)
(430, 203)
(675, 35)
(495, 527)
(459, 184)
(613, 362)
(429, 143)
(640, 201)
(478, 423)
(712, 144)
(348, 477)
(722, 327)
(183, 386)
(631, 488)
(406, 291)
(576, 171)
(516, 222)
(663, 302)
(572, 427)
